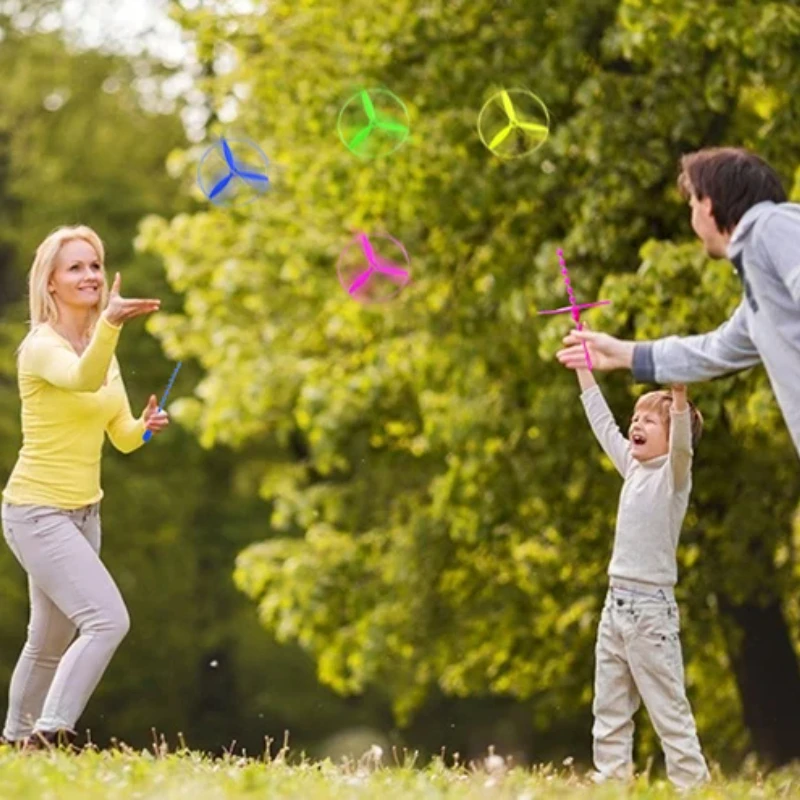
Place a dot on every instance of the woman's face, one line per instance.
(77, 279)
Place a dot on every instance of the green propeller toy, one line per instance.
(383, 131)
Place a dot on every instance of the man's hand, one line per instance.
(120, 309)
(606, 352)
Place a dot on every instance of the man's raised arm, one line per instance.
(678, 359)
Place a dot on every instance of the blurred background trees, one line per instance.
(418, 507)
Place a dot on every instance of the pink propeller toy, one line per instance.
(361, 283)
(573, 307)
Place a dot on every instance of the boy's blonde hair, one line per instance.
(43, 307)
(660, 401)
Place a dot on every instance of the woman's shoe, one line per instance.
(18, 743)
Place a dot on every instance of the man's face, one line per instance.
(705, 227)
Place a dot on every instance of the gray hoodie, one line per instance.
(765, 249)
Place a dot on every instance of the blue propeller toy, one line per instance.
(148, 435)
(235, 172)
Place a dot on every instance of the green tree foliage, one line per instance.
(442, 515)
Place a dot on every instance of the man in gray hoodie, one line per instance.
(739, 211)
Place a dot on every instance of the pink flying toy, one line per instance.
(368, 276)
(573, 307)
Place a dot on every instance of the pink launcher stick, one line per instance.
(573, 307)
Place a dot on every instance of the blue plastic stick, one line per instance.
(148, 435)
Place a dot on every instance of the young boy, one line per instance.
(638, 651)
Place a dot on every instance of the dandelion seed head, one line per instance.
(494, 763)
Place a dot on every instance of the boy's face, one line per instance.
(705, 227)
(648, 435)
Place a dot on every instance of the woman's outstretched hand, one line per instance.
(155, 419)
(121, 309)
(606, 352)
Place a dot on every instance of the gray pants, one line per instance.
(638, 657)
(70, 589)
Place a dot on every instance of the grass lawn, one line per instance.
(125, 774)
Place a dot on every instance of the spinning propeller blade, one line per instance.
(360, 137)
(391, 126)
(501, 137)
(253, 176)
(360, 281)
(390, 269)
(226, 151)
(369, 109)
(533, 127)
(220, 187)
(508, 106)
(251, 169)
(369, 253)
(580, 307)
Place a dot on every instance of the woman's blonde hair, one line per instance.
(43, 307)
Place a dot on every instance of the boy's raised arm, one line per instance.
(680, 437)
(603, 424)
(585, 379)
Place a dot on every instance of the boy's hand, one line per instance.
(679, 396)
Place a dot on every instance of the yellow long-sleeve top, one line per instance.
(68, 403)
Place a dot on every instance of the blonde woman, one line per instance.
(72, 394)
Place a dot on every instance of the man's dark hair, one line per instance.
(735, 180)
